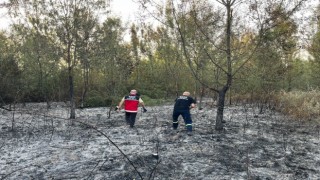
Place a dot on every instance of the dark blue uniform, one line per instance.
(182, 107)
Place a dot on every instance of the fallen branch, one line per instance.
(1, 107)
(93, 169)
(102, 133)
(152, 174)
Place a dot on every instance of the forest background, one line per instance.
(77, 51)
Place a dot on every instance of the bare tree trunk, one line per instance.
(72, 103)
(201, 97)
(85, 81)
(221, 100)
(13, 120)
(71, 87)
(222, 93)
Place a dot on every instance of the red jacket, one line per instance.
(131, 103)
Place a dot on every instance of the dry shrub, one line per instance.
(300, 105)
(266, 98)
(241, 98)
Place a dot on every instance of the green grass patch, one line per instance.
(155, 102)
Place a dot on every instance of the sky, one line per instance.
(4, 21)
(126, 9)
(122, 8)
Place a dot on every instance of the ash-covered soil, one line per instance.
(47, 145)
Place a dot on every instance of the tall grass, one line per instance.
(300, 105)
(155, 102)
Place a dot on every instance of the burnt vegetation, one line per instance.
(45, 144)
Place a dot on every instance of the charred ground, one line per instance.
(47, 145)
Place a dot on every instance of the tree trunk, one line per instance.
(71, 87)
(201, 98)
(13, 120)
(85, 81)
(72, 104)
(221, 100)
(223, 92)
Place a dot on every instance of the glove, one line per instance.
(117, 108)
(144, 109)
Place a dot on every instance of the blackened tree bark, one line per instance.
(222, 92)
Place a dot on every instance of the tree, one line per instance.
(272, 62)
(39, 59)
(10, 74)
(163, 72)
(71, 24)
(64, 14)
(112, 63)
(85, 26)
(223, 43)
(195, 22)
(314, 50)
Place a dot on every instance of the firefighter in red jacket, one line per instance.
(131, 104)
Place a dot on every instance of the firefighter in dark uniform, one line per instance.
(182, 107)
(131, 104)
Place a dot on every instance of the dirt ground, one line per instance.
(47, 145)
